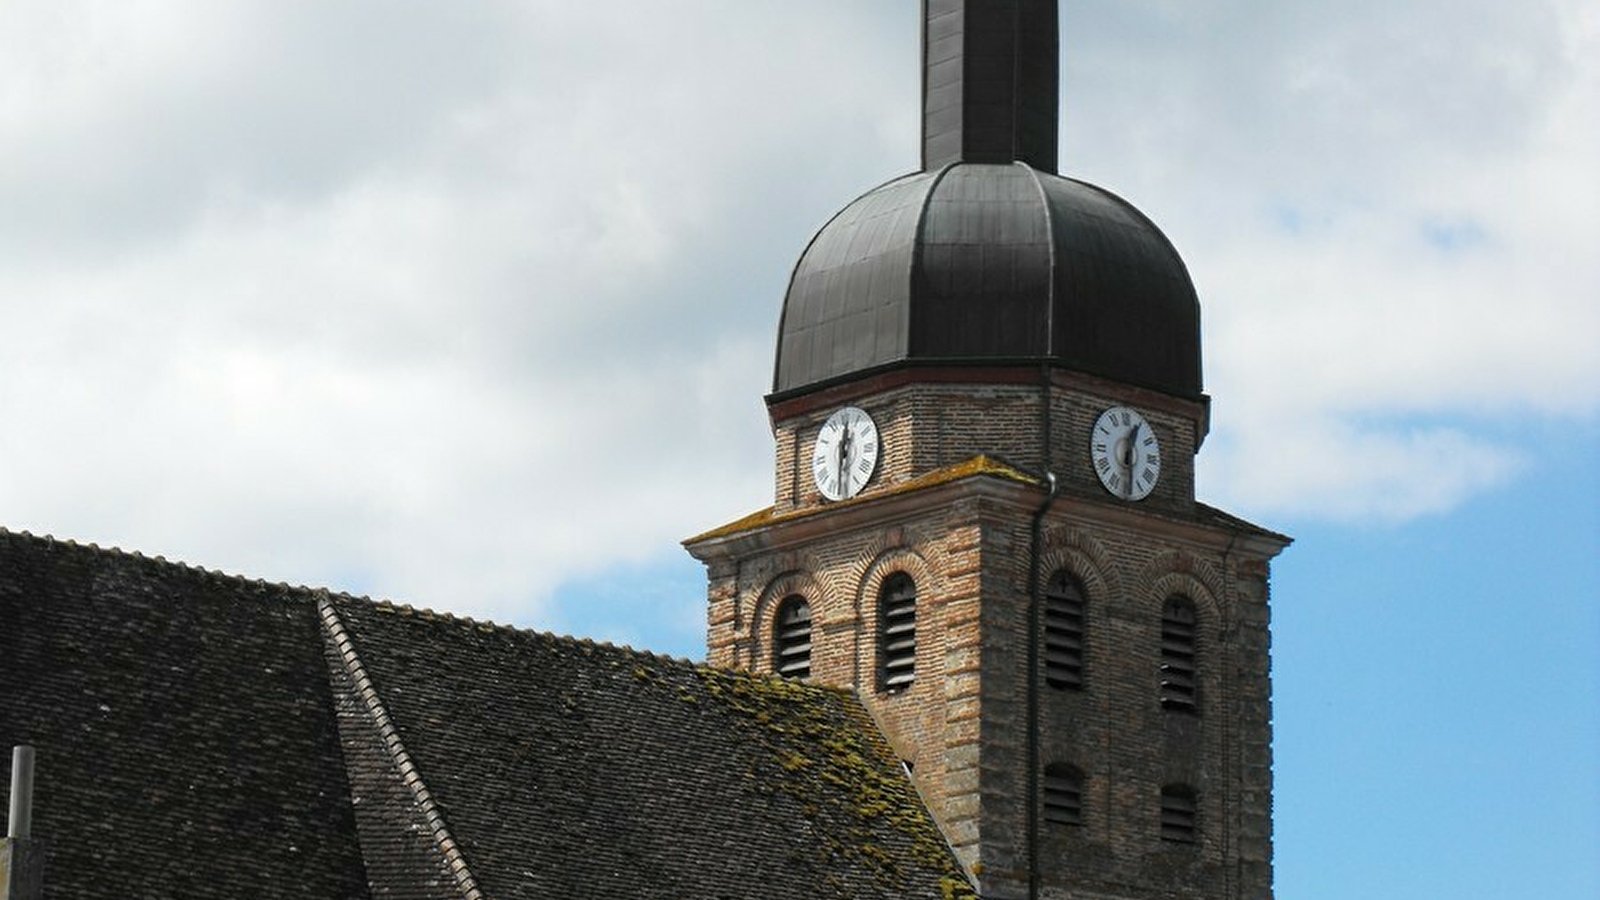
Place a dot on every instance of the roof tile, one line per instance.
(207, 736)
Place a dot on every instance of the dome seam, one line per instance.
(917, 243)
(1050, 248)
(783, 312)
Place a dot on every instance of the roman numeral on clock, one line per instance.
(1125, 453)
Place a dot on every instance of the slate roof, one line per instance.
(201, 735)
(990, 264)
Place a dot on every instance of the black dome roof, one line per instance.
(990, 263)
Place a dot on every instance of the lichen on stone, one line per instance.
(827, 755)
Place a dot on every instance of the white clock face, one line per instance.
(1125, 453)
(846, 453)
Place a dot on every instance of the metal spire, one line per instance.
(990, 82)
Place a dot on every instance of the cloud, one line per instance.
(1385, 210)
(460, 303)
(1318, 466)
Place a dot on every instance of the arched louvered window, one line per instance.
(791, 646)
(1063, 631)
(1063, 794)
(1178, 682)
(897, 631)
(1180, 821)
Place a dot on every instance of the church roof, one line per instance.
(987, 256)
(202, 735)
(991, 264)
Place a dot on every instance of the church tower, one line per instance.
(987, 403)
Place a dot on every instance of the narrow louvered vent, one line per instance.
(1178, 655)
(791, 652)
(1179, 820)
(897, 604)
(1063, 795)
(1063, 631)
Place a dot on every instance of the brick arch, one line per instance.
(1080, 553)
(870, 582)
(1215, 676)
(1096, 581)
(1211, 639)
(1206, 603)
(793, 581)
(1201, 582)
(886, 563)
(766, 572)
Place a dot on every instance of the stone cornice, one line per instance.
(994, 480)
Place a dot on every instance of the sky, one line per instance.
(472, 306)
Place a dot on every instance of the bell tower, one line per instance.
(986, 405)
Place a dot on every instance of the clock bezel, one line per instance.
(1115, 424)
(847, 419)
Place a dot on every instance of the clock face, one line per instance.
(1125, 453)
(846, 453)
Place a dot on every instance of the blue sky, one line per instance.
(1437, 694)
(472, 306)
(1436, 686)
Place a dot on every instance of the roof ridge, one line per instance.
(578, 642)
(308, 591)
(178, 564)
(407, 610)
(1234, 521)
(333, 628)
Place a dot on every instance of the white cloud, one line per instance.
(1319, 466)
(455, 303)
(1387, 211)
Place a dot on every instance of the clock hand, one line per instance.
(844, 463)
(1132, 454)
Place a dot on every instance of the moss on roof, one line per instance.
(842, 771)
(560, 766)
(645, 775)
(976, 466)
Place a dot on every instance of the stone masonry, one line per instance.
(952, 505)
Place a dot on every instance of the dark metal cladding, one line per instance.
(849, 298)
(995, 264)
(982, 286)
(1125, 307)
(987, 256)
(990, 82)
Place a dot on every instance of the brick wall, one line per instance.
(962, 725)
(925, 426)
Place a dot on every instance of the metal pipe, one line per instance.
(1035, 551)
(21, 817)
